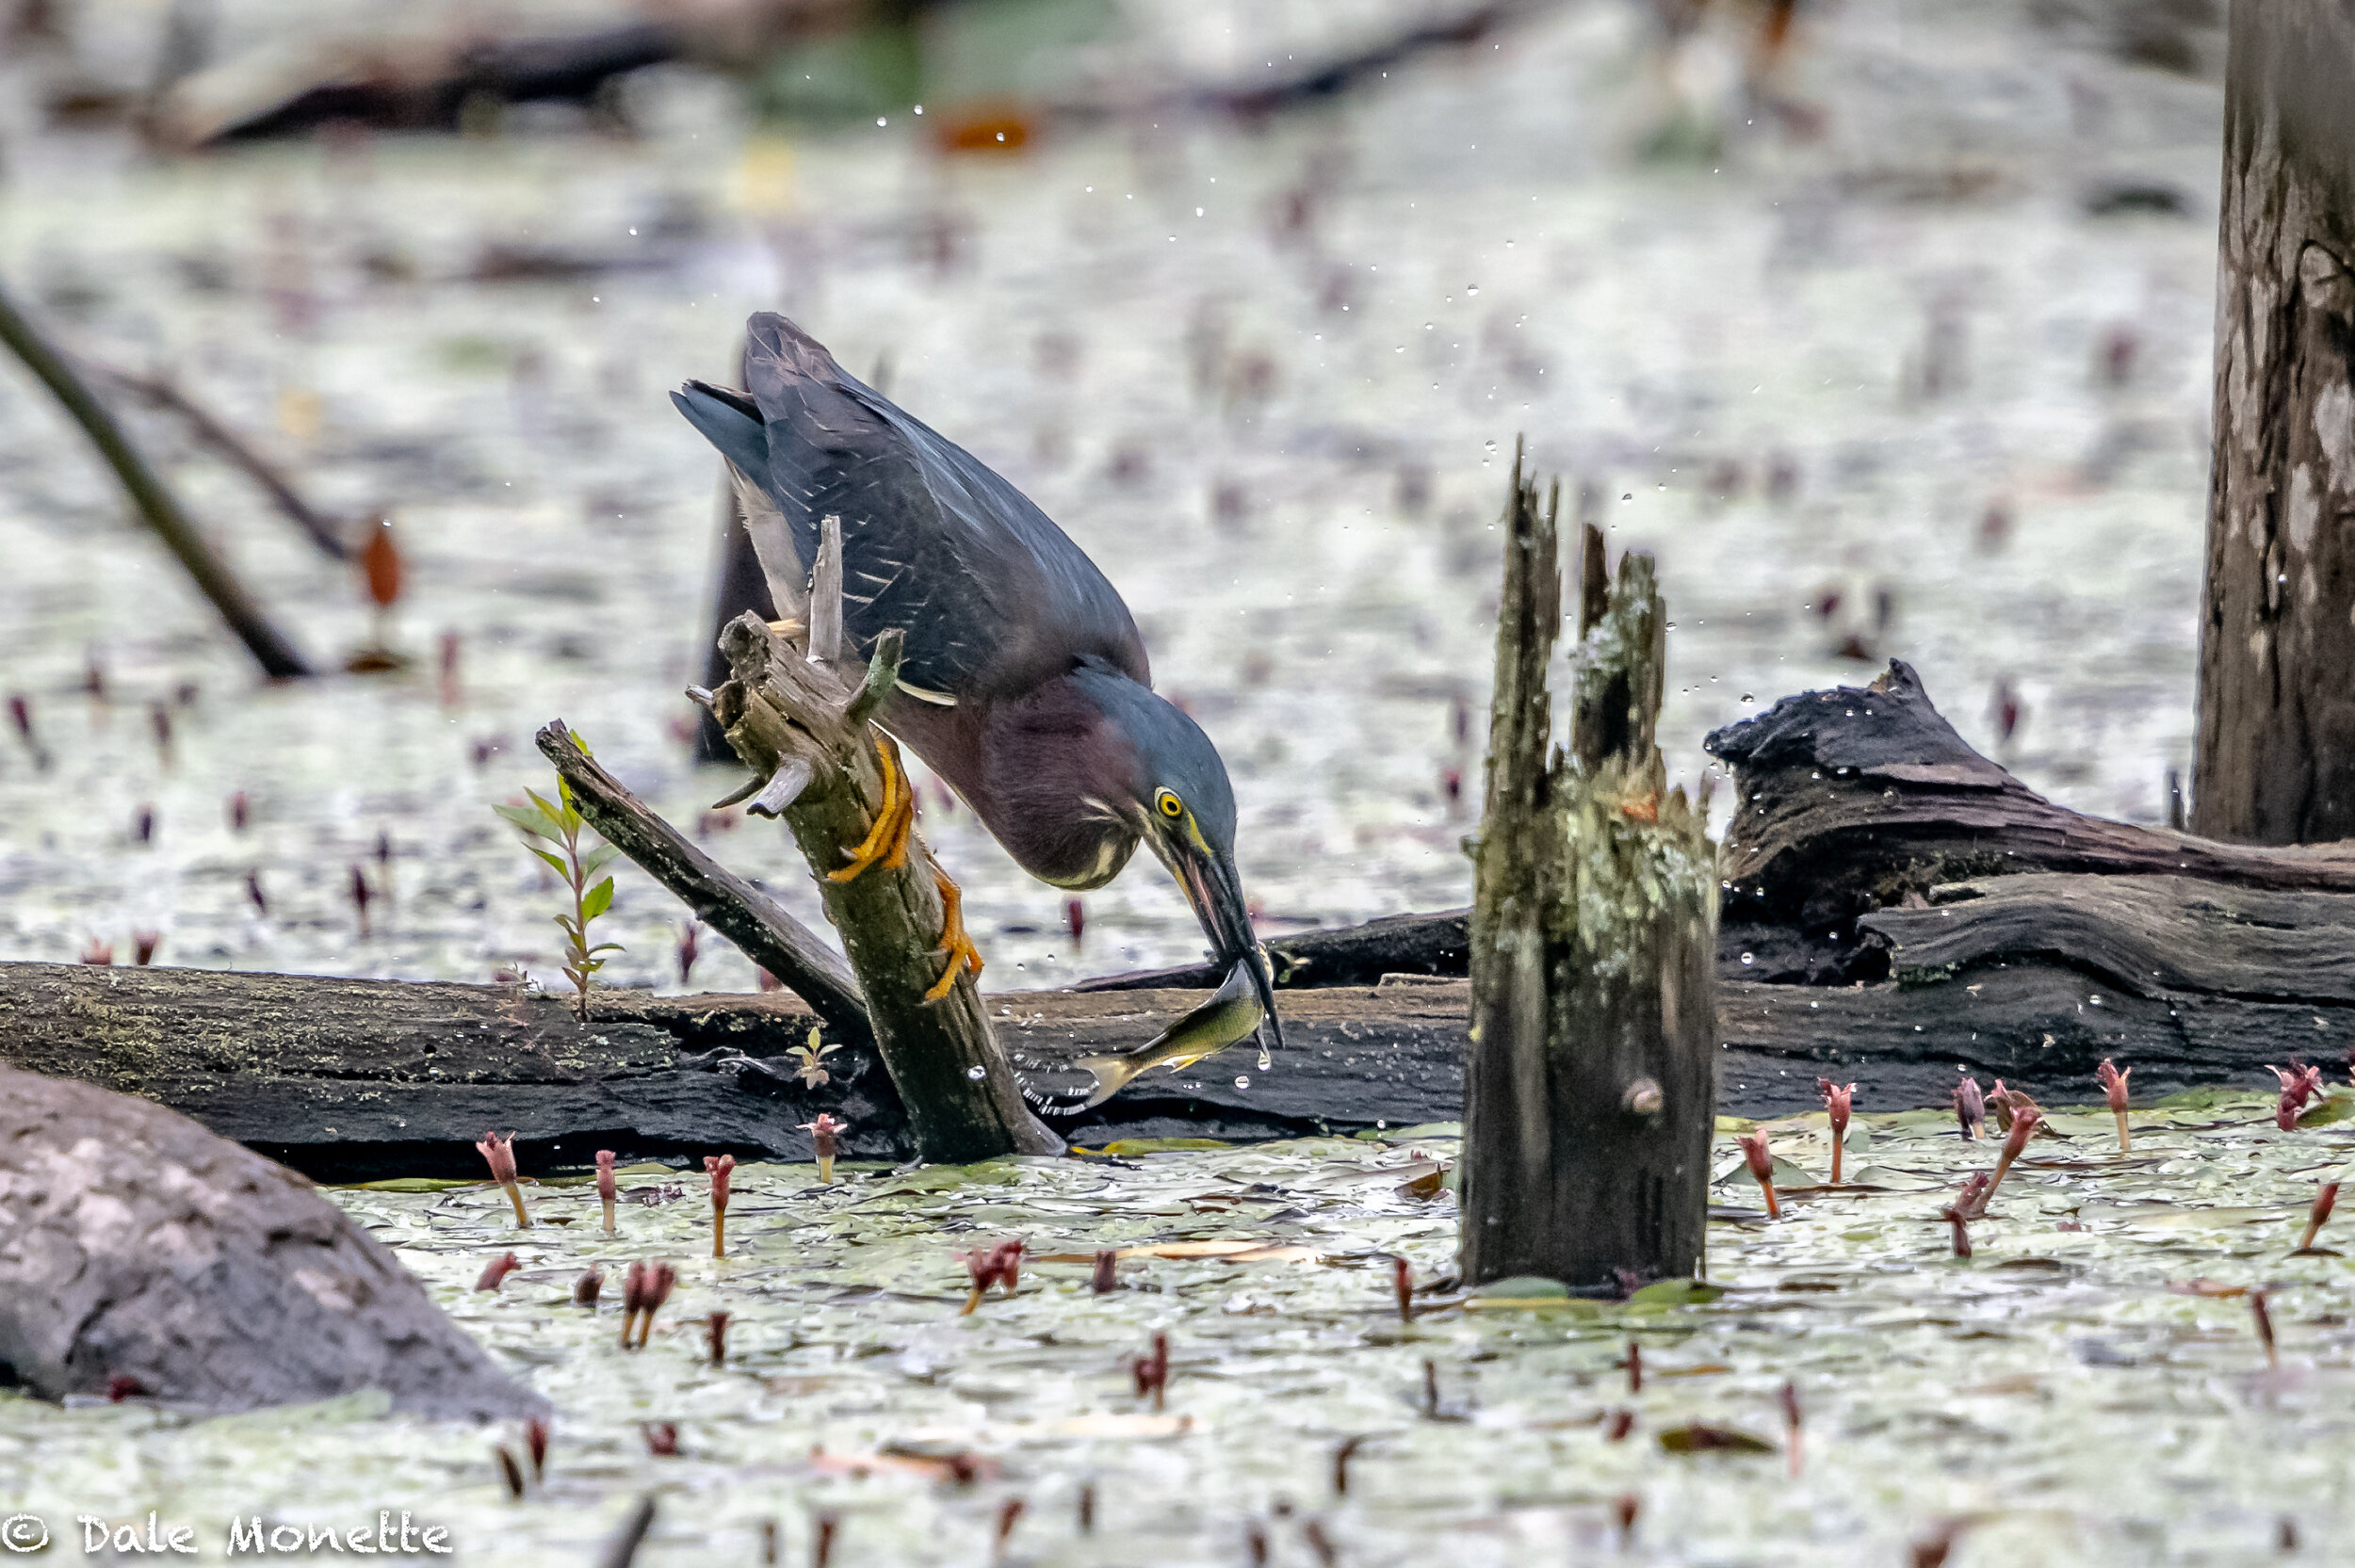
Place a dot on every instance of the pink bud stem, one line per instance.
(2317, 1216)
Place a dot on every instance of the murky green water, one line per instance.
(2077, 1392)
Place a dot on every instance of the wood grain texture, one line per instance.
(1851, 800)
(781, 707)
(2276, 738)
(1590, 1076)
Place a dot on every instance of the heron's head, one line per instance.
(1175, 797)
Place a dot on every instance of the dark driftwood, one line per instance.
(1852, 799)
(354, 1080)
(791, 716)
(722, 900)
(1589, 1082)
(2276, 760)
(157, 504)
(433, 91)
(144, 1256)
(1436, 944)
(2149, 935)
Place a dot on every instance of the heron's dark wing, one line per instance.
(992, 596)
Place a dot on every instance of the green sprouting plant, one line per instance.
(558, 822)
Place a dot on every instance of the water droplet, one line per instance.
(1243, 1080)
(1749, 957)
(1471, 288)
(977, 1073)
(1748, 698)
(1629, 497)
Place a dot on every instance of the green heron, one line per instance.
(1023, 682)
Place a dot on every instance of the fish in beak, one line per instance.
(1233, 1014)
(1211, 884)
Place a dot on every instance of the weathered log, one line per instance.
(2276, 746)
(727, 902)
(800, 720)
(1436, 944)
(355, 1080)
(2149, 935)
(1589, 1084)
(1856, 798)
(140, 1255)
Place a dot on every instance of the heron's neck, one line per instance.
(1053, 769)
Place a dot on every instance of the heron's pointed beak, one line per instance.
(1213, 888)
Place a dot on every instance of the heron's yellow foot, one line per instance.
(886, 840)
(959, 947)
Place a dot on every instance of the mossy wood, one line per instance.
(801, 722)
(1589, 1092)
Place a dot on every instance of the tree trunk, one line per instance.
(2276, 762)
(1589, 1092)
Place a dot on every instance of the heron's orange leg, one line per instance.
(959, 946)
(887, 838)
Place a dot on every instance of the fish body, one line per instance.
(1233, 1014)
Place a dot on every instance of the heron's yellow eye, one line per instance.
(1168, 804)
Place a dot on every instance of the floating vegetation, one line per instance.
(2090, 1386)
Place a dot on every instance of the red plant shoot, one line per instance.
(2299, 1083)
(495, 1274)
(1970, 1107)
(2114, 1089)
(720, 1168)
(1762, 1164)
(499, 1152)
(2319, 1215)
(1151, 1373)
(823, 1136)
(1107, 1276)
(1403, 1286)
(606, 1192)
(2024, 1121)
(1836, 1101)
(1000, 1265)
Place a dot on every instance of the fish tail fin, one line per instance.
(1111, 1075)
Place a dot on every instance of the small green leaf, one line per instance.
(548, 808)
(597, 860)
(524, 817)
(599, 898)
(557, 860)
(583, 744)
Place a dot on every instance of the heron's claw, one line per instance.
(959, 946)
(887, 839)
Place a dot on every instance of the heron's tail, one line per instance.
(723, 419)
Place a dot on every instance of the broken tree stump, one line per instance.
(798, 716)
(142, 1255)
(2276, 746)
(1589, 1092)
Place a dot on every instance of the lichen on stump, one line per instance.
(141, 1255)
(1589, 1086)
